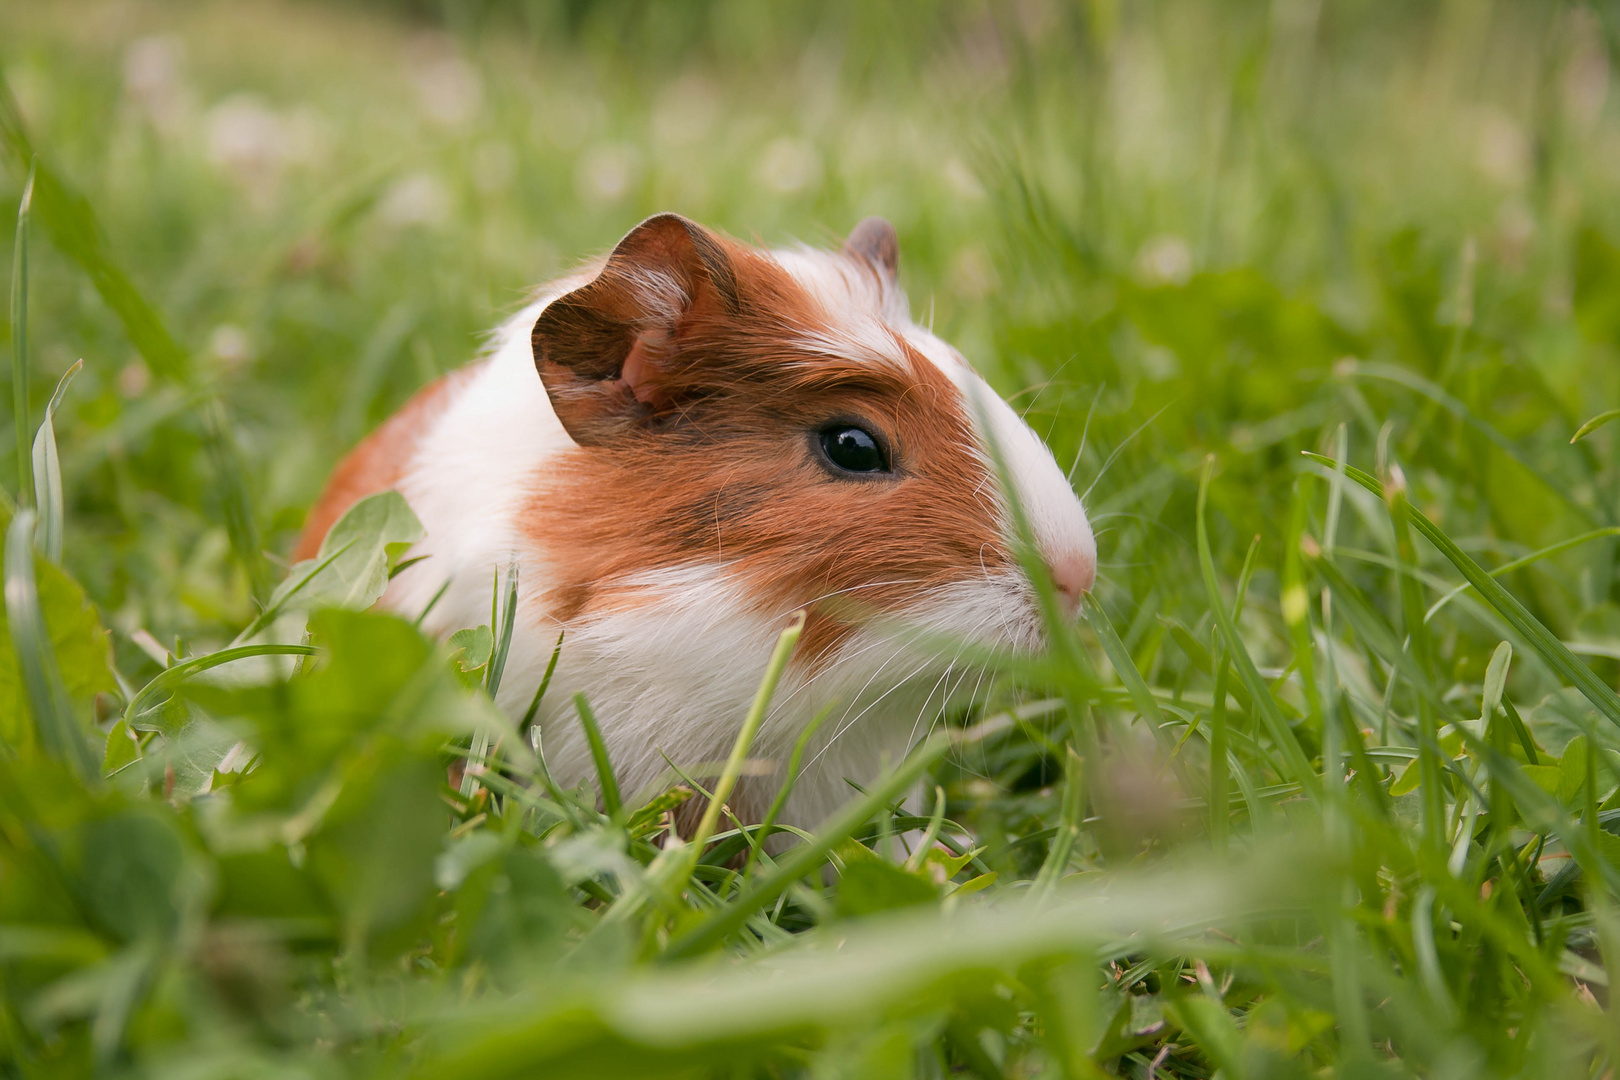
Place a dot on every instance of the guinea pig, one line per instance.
(686, 443)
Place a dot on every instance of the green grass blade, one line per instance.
(1413, 381)
(240, 526)
(789, 778)
(57, 728)
(540, 691)
(612, 801)
(1418, 647)
(1298, 766)
(19, 340)
(1593, 424)
(1520, 563)
(1554, 652)
(48, 474)
(73, 228)
(803, 860)
(1125, 667)
(166, 680)
(783, 652)
(507, 625)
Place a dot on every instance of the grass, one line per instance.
(1318, 300)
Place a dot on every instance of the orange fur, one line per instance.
(717, 463)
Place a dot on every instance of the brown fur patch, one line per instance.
(379, 461)
(729, 471)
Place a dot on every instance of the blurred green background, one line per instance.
(1176, 217)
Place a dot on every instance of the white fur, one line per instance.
(674, 672)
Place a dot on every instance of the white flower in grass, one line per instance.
(155, 83)
(417, 199)
(229, 345)
(605, 174)
(789, 165)
(450, 91)
(248, 141)
(1164, 260)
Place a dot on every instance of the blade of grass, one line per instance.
(1259, 692)
(1593, 424)
(789, 779)
(1220, 785)
(171, 677)
(1135, 685)
(1063, 642)
(803, 860)
(612, 801)
(1554, 652)
(1068, 833)
(502, 614)
(73, 227)
(57, 728)
(503, 639)
(540, 691)
(1417, 646)
(19, 340)
(48, 474)
(777, 664)
(1413, 381)
(240, 526)
(1527, 560)
(930, 834)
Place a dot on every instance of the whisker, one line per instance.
(1085, 432)
(1123, 444)
(1042, 387)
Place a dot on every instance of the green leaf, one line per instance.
(646, 819)
(1209, 1023)
(1496, 673)
(870, 885)
(1572, 770)
(471, 648)
(79, 643)
(130, 867)
(33, 657)
(1408, 781)
(354, 563)
(1548, 778)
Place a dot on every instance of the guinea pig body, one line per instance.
(684, 445)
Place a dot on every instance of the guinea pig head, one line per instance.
(777, 418)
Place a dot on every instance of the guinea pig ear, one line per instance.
(600, 349)
(874, 242)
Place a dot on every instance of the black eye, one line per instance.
(853, 449)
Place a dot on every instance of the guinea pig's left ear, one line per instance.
(600, 349)
(875, 243)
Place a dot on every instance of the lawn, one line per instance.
(1314, 295)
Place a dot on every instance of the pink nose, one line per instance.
(1073, 573)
